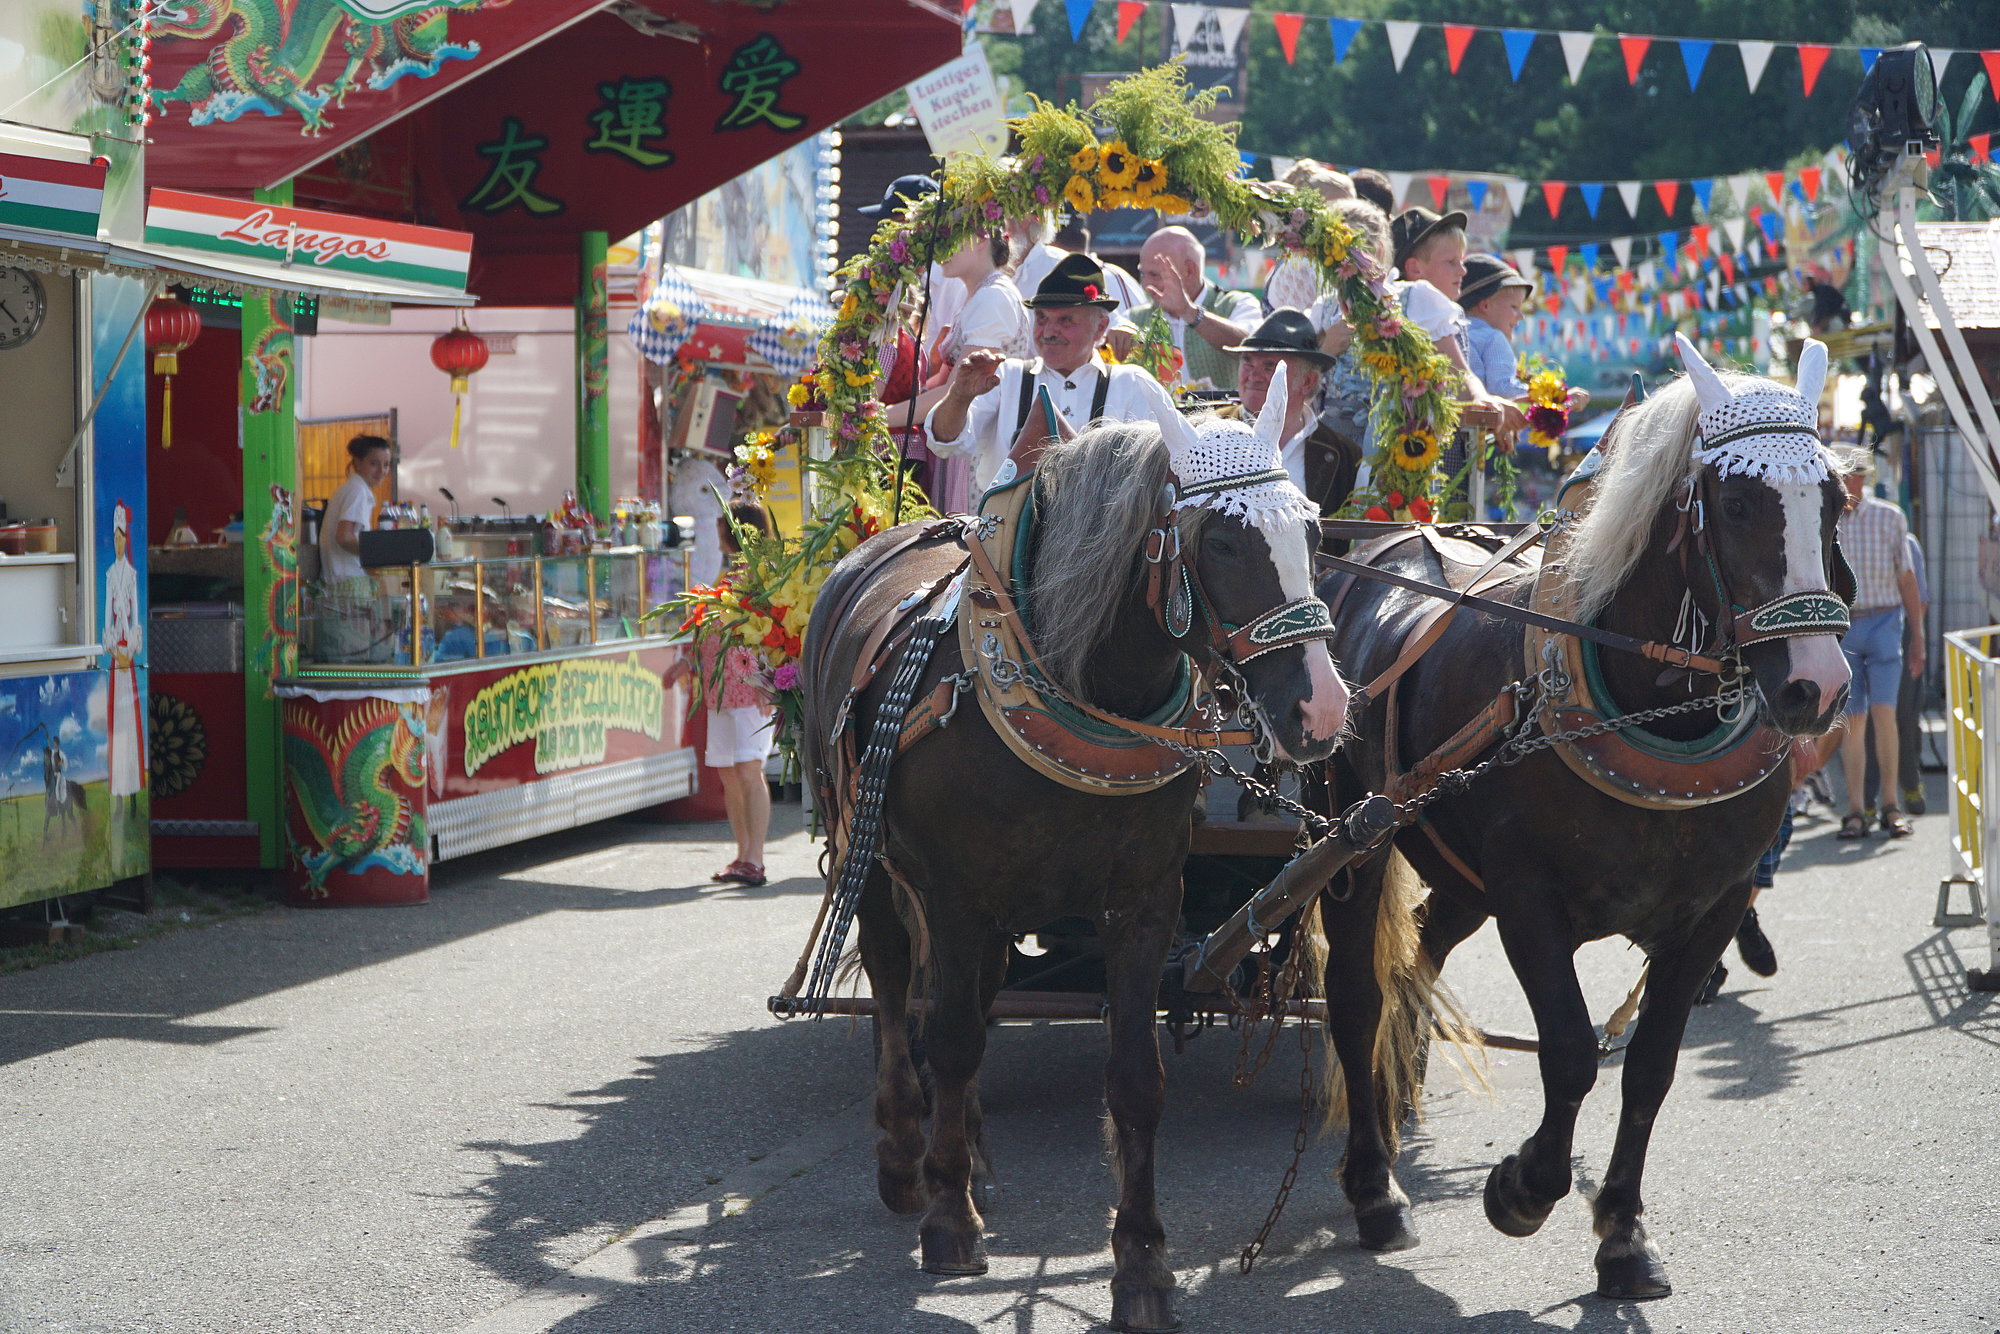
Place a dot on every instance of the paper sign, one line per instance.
(959, 107)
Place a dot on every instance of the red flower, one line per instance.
(1394, 500)
(1375, 512)
(1420, 509)
(1090, 291)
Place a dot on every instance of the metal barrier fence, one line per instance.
(1972, 726)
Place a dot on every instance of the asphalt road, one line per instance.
(551, 1100)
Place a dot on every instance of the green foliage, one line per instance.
(1960, 189)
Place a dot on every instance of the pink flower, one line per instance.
(1041, 194)
(1037, 163)
(993, 211)
(786, 677)
(899, 249)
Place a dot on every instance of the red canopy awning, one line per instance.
(622, 118)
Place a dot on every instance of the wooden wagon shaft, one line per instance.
(1077, 1005)
(1205, 966)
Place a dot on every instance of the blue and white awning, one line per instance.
(730, 321)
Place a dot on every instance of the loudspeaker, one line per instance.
(397, 546)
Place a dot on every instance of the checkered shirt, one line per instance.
(1873, 537)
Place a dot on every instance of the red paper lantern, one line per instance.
(172, 326)
(459, 353)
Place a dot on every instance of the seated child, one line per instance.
(1493, 296)
(1430, 255)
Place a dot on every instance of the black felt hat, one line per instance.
(1287, 331)
(1486, 275)
(901, 189)
(1076, 280)
(1413, 226)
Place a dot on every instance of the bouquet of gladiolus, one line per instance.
(1153, 351)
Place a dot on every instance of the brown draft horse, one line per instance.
(1553, 860)
(990, 848)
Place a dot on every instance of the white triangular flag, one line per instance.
(1649, 274)
(1715, 239)
(1755, 56)
(1629, 192)
(1576, 48)
(1940, 62)
(1231, 22)
(1399, 184)
(1516, 191)
(1714, 288)
(1187, 22)
(1023, 10)
(1734, 228)
(1401, 33)
(1281, 167)
(1524, 262)
(1621, 246)
(1742, 185)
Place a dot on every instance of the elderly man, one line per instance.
(1874, 536)
(989, 397)
(1205, 319)
(1322, 462)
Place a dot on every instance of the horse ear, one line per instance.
(1183, 441)
(1277, 405)
(1812, 371)
(1708, 386)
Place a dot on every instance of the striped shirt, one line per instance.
(1874, 538)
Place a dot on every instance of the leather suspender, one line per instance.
(1098, 396)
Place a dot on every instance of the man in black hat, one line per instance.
(947, 295)
(1322, 462)
(989, 397)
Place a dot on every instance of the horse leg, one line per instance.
(1524, 1186)
(951, 1235)
(1628, 1263)
(1353, 1020)
(985, 1181)
(1447, 921)
(899, 1097)
(1142, 1283)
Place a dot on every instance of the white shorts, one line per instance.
(739, 736)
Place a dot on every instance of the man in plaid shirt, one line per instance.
(1874, 536)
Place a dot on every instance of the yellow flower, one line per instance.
(1084, 159)
(1117, 166)
(1110, 197)
(1171, 205)
(1415, 451)
(1078, 194)
(797, 396)
(1107, 354)
(848, 307)
(856, 381)
(1150, 178)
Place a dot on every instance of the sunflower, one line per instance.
(1150, 179)
(1078, 194)
(1171, 205)
(1084, 159)
(1415, 451)
(1117, 166)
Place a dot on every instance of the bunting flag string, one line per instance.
(1516, 43)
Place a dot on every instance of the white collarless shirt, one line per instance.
(991, 423)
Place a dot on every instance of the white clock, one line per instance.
(23, 304)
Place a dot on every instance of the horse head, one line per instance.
(1763, 509)
(1246, 575)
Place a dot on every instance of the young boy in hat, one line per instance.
(1494, 295)
(1430, 255)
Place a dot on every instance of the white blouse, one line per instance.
(993, 317)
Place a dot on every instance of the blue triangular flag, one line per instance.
(1476, 189)
(1079, 14)
(1702, 190)
(1593, 194)
(1343, 31)
(1517, 41)
(1588, 250)
(1772, 225)
(1670, 243)
(1869, 54)
(1694, 54)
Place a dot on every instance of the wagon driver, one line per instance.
(990, 396)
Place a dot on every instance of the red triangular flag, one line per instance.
(1809, 178)
(1932, 157)
(1635, 55)
(1456, 35)
(1992, 59)
(1982, 147)
(1775, 180)
(1698, 240)
(1728, 262)
(1288, 26)
(1557, 254)
(1130, 10)
(1440, 189)
(1554, 302)
(1625, 280)
(1552, 194)
(1811, 60)
(1669, 193)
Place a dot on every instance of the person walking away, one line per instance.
(347, 592)
(1874, 537)
(1909, 708)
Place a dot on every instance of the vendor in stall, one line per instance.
(990, 395)
(350, 620)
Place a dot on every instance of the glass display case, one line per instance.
(425, 616)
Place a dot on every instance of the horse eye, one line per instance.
(1220, 544)
(1736, 508)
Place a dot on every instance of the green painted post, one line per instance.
(270, 547)
(593, 380)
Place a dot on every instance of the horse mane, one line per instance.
(1650, 452)
(1096, 496)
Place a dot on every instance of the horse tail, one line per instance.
(1415, 1005)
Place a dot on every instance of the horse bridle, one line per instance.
(1820, 611)
(1175, 595)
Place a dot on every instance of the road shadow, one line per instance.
(156, 990)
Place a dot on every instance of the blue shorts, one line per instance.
(1874, 650)
(1766, 874)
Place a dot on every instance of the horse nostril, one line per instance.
(1803, 696)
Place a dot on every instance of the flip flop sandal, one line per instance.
(1853, 827)
(1894, 825)
(750, 877)
(733, 873)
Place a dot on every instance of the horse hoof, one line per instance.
(1386, 1227)
(1143, 1310)
(1633, 1277)
(952, 1254)
(1504, 1209)
(903, 1194)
